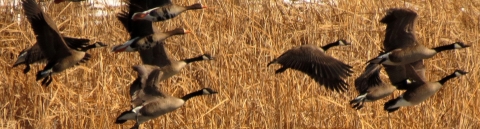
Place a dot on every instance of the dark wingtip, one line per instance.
(280, 70)
(271, 62)
(395, 13)
(26, 70)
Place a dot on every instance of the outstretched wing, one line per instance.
(369, 78)
(48, 37)
(312, 61)
(400, 28)
(145, 86)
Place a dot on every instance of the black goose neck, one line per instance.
(445, 79)
(190, 95)
(328, 46)
(190, 60)
(444, 47)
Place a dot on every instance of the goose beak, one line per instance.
(138, 16)
(204, 6)
(187, 31)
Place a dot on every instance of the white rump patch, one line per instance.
(457, 46)
(205, 92)
(458, 74)
(136, 109)
(361, 96)
(205, 57)
(46, 72)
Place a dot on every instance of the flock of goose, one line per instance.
(402, 59)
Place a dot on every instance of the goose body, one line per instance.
(176, 66)
(312, 61)
(52, 44)
(147, 42)
(34, 54)
(148, 102)
(419, 91)
(165, 12)
(415, 53)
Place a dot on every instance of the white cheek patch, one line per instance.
(205, 58)
(457, 46)
(409, 81)
(341, 42)
(205, 91)
(136, 109)
(458, 74)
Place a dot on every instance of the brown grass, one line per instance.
(244, 37)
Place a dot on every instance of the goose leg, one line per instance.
(50, 79)
(47, 80)
(46, 70)
(27, 68)
(44, 80)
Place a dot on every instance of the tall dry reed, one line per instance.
(244, 36)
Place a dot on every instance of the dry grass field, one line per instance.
(244, 37)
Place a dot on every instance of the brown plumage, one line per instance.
(165, 11)
(60, 56)
(313, 61)
(148, 102)
(402, 56)
(399, 34)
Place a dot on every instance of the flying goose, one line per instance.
(415, 53)
(313, 61)
(176, 66)
(59, 55)
(35, 55)
(419, 91)
(165, 11)
(149, 102)
(399, 34)
(158, 55)
(147, 42)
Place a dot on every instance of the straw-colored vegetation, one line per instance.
(244, 36)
